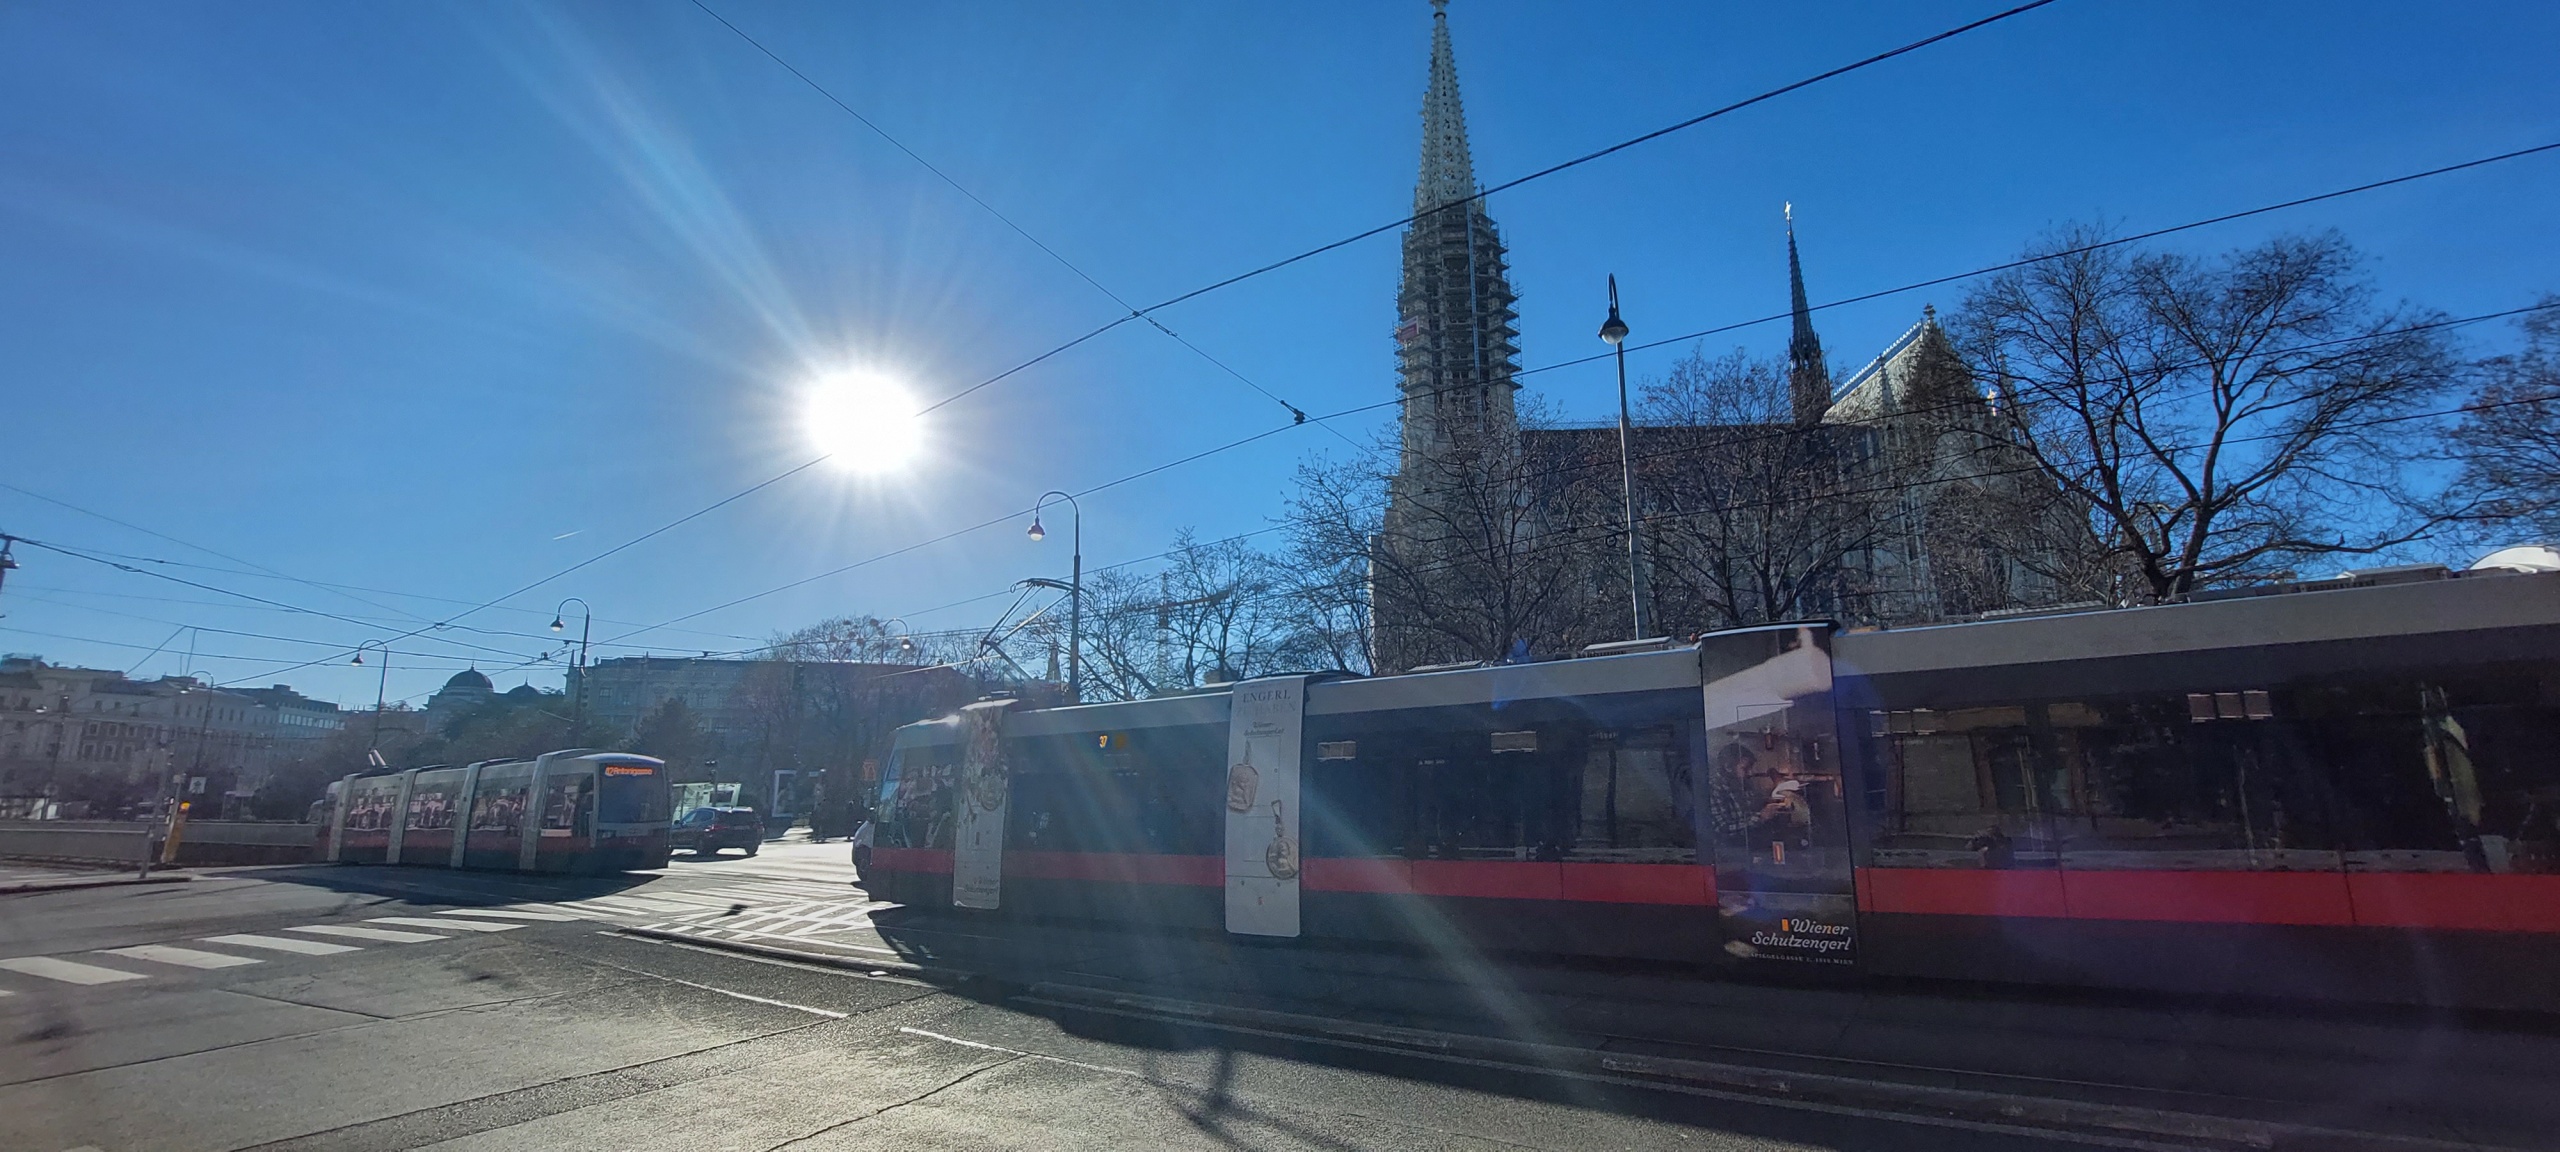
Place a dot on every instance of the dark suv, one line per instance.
(708, 830)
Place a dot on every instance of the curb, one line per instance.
(2004, 1111)
(74, 885)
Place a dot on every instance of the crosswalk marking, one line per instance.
(183, 957)
(513, 914)
(67, 971)
(424, 922)
(282, 944)
(386, 935)
(628, 905)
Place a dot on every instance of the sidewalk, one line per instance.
(2252, 1075)
(16, 877)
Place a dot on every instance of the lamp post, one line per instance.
(577, 671)
(1614, 332)
(380, 683)
(1075, 591)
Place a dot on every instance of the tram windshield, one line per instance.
(632, 794)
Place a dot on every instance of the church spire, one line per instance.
(1457, 329)
(1808, 376)
(1448, 173)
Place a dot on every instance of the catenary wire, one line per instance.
(991, 210)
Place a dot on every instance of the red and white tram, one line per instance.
(2345, 789)
(578, 811)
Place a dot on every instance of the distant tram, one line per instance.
(576, 811)
(2342, 789)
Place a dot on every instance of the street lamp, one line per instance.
(1614, 332)
(380, 683)
(577, 671)
(906, 642)
(1075, 590)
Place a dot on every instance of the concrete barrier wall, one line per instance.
(264, 834)
(218, 842)
(127, 842)
(99, 841)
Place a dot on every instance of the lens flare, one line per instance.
(867, 423)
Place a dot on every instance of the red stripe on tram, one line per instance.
(2404, 900)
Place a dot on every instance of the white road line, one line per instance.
(351, 932)
(826, 1012)
(67, 971)
(282, 944)
(440, 925)
(632, 906)
(1130, 1072)
(184, 957)
(513, 914)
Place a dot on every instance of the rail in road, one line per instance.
(2244, 1074)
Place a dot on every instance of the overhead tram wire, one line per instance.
(1723, 444)
(123, 567)
(1550, 170)
(2023, 262)
(1298, 414)
(635, 541)
(1394, 401)
(1142, 313)
(262, 569)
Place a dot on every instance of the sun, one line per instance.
(863, 422)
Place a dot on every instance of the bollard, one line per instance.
(177, 828)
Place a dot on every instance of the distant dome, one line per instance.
(469, 678)
(524, 692)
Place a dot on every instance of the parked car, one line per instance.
(708, 830)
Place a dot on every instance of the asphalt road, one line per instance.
(279, 1008)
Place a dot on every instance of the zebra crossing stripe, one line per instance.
(423, 922)
(512, 914)
(67, 971)
(183, 957)
(628, 906)
(282, 944)
(351, 932)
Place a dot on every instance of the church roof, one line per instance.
(470, 678)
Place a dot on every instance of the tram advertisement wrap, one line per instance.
(1780, 826)
(1263, 729)
(986, 790)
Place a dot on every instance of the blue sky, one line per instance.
(436, 299)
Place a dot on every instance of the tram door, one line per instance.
(1780, 831)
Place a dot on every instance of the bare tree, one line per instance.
(2508, 444)
(1751, 517)
(1334, 518)
(2221, 419)
(1498, 548)
(1217, 610)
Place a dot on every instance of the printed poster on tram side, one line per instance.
(1265, 721)
(1777, 798)
(986, 790)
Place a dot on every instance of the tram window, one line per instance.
(2399, 773)
(499, 810)
(565, 811)
(431, 809)
(633, 796)
(915, 797)
(1149, 791)
(1638, 798)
